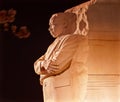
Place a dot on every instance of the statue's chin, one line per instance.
(53, 35)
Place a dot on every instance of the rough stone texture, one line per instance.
(104, 58)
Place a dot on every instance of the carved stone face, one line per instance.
(62, 23)
(57, 25)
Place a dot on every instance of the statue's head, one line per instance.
(62, 24)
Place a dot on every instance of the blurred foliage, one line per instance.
(7, 17)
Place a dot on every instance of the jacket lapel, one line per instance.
(52, 48)
(55, 46)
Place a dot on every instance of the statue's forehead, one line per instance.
(52, 18)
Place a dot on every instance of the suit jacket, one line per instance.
(68, 53)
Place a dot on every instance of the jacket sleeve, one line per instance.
(62, 58)
(37, 65)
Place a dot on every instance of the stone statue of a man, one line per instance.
(62, 69)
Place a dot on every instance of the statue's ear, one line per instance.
(65, 24)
